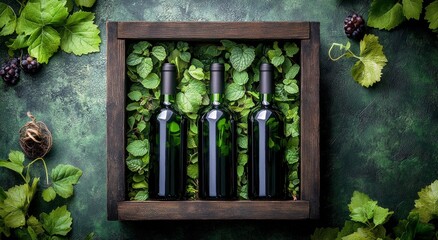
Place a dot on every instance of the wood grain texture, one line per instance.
(210, 210)
(310, 121)
(115, 120)
(213, 30)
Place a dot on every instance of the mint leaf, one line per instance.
(368, 69)
(63, 178)
(277, 60)
(427, 203)
(196, 73)
(240, 170)
(242, 159)
(135, 165)
(241, 58)
(141, 196)
(412, 8)
(151, 81)
(192, 171)
(44, 42)
(189, 101)
(159, 52)
(57, 222)
(40, 13)
(49, 194)
(385, 14)
(80, 35)
(432, 14)
(134, 95)
(145, 67)
(8, 20)
(85, 3)
(240, 78)
(134, 59)
(242, 141)
(234, 92)
(291, 49)
(138, 148)
(292, 72)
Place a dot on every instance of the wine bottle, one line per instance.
(266, 165)
(168, 159)
(217, 143)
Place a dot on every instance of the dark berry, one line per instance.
(354, 26)
(10, 71)
(29, 64)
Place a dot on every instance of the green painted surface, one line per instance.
(382, 141)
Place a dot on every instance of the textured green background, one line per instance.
(382, 141)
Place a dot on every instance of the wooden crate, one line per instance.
(306, 33)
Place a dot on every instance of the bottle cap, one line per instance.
(266, 78)
(217, 78)
(168, 79)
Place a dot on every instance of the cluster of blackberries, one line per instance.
(10, 70)
(354, 26)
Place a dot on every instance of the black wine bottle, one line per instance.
(266, 164)
(168, 159)
(217, 143)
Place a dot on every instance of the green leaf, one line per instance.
(8, 20)
(324, 234)
(159, 52)
(427, 203)
(412, 8)
(18, 168)
(277, 60)
(241, 58)
(348, 228)
(134, 59)
(57, 222)
(196, 73)
(240, 170)
(63, 178)
(43, 43)
(385, 14)
(242, 141)
(151, 81)
(16, 157)
(14, 206)
(41, 13)
(145, 67)
(20, 42)
(229, 45)
(234, 92)
(432, 14)
(80, 35)
(134, 95)
(189, 101)
(36, 226)
(368, 69)
(135, 165)
(293, 71)
(360, 234)
(358, 200)
(381, 215)
(85, 3)
(292, 88)
(242, 159)
(15, 219)
(138, 148)
(192, 171)
(49, 194)
(291, 49)
(240, 78)
(141, 196)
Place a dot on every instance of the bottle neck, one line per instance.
(167, 99)
(266, 99)
(216, 99)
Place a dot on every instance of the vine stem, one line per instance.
(45, 168)
(347, 52)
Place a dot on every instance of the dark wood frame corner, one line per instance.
(306, 33)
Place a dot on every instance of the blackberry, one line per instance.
(354, 26)
(10, 71)
(29, 64)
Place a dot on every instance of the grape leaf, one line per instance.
(432, 14)
(234, 92)
(427, 203)
(368, 69)
(325, 234)
(44, 42)
(39, 13)
(361, 234)
(36, 226)
(381, 215)
(241, 58)
(57, 222)
(385, 14)
(80, 35)
(85, 3)
(138, 148)
(412, 8)
(8, 20)
(49, 194)
(63, 178)
(21, 41)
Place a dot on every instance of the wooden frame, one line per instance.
(307, 207)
